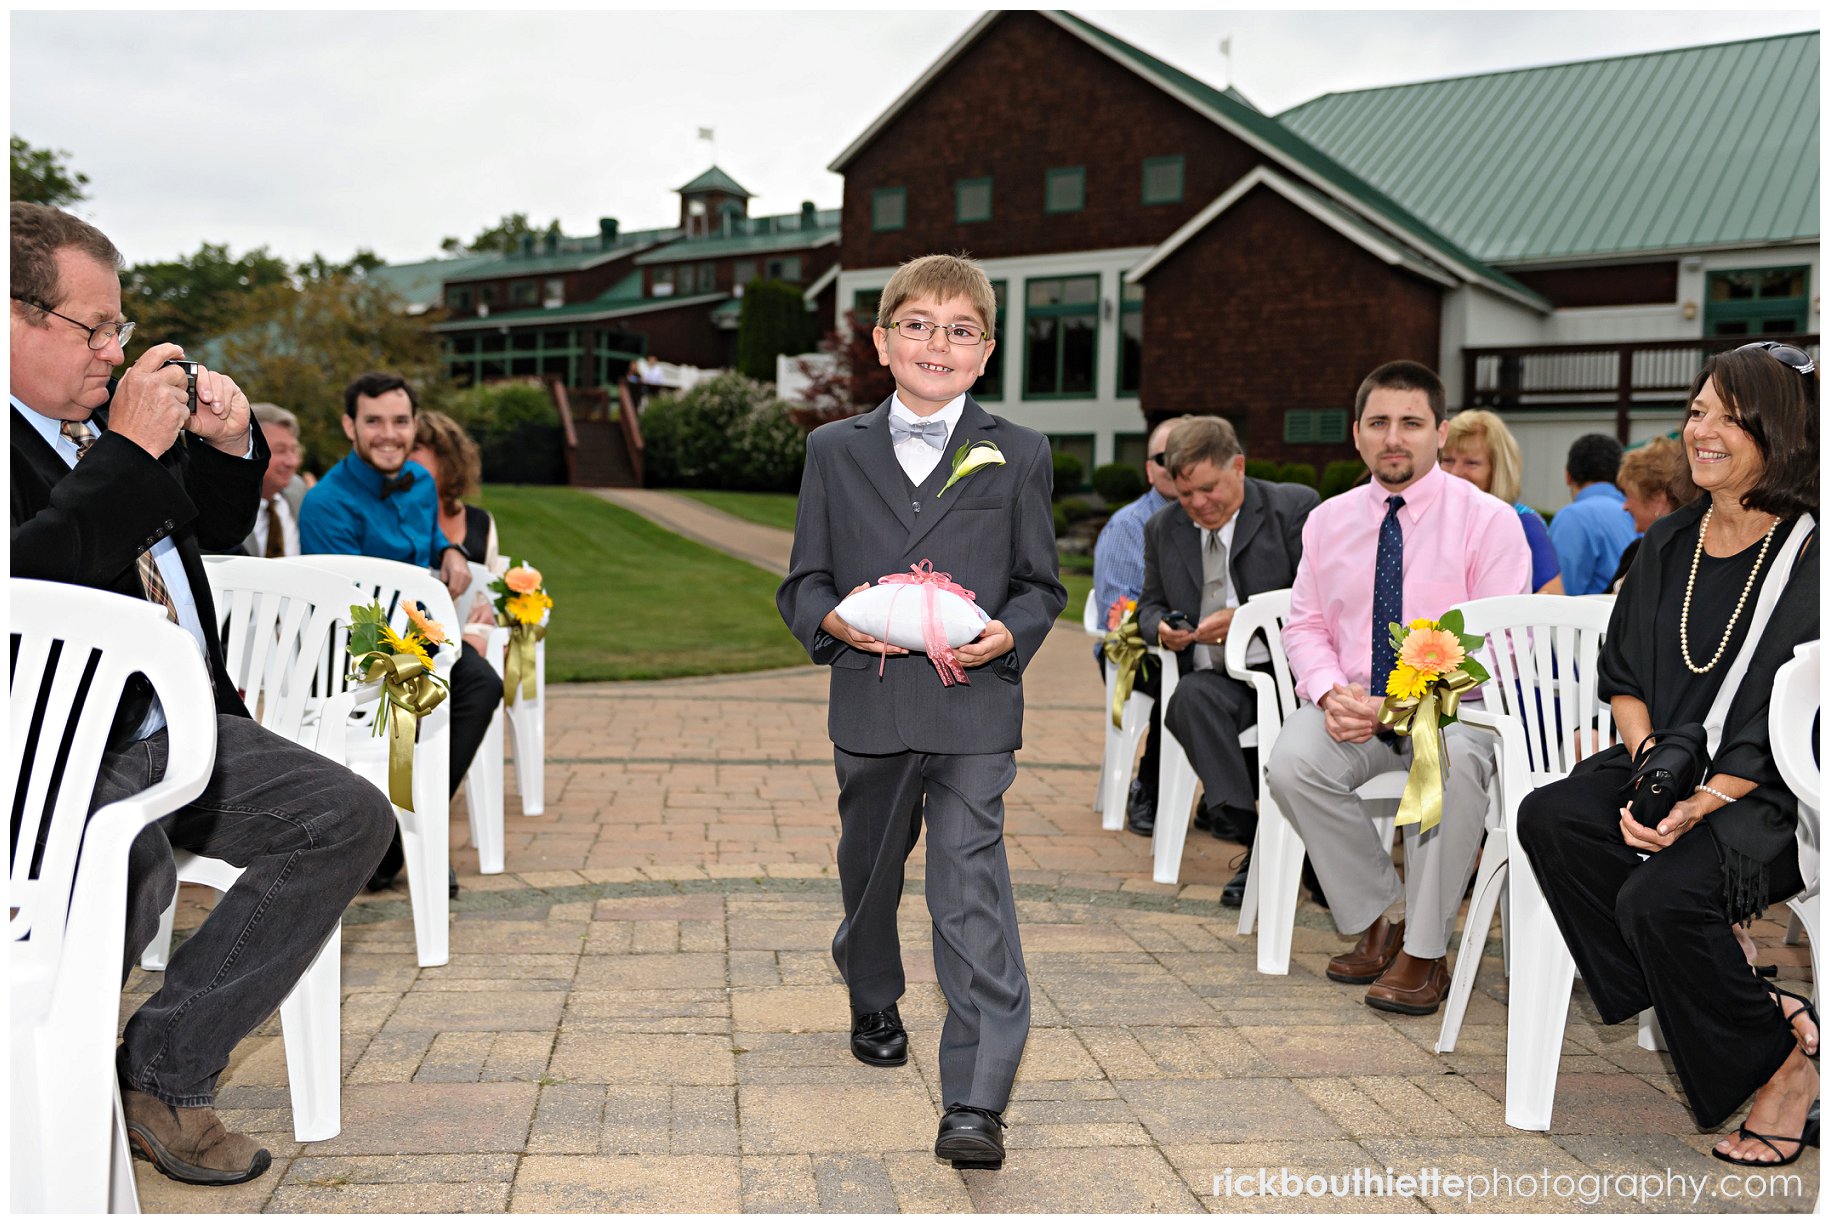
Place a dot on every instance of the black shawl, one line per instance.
(1755, 831)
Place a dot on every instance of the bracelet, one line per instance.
(1710, 790)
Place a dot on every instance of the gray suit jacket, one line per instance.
(1267, 544)
(993, 532)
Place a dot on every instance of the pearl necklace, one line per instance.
(1684, 617)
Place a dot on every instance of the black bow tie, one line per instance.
(391, 485)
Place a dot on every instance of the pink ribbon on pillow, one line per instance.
(924, 575)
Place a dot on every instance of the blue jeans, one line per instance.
(307, 833)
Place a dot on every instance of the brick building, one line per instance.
(580, 309)
(1161, 246)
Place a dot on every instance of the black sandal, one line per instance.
(1806, 1138)
(1780, 994)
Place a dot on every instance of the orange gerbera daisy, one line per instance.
(1431, 651)
(428, 628)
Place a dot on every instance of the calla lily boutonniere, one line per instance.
(970, 458)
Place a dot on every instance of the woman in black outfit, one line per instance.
(1647, 911)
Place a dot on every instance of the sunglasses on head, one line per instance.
(1161, 458)
(1785, 354)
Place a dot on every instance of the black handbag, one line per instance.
(1667, 769)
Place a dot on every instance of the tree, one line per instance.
(299, 347)
(504, 237)
(361, 263)
(197, 297)
(41, 177)
(850, 379)
(773, 321)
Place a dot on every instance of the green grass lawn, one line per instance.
(768, 509)
(632, 601)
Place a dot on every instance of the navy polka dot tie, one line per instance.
(1388, 594)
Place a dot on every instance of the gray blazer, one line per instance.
(1267, 544)
(993, 532)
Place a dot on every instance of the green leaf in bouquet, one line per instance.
(1475, 670)
(1471, 642)
(1397, 635)
(1452, 621)
(365, 622)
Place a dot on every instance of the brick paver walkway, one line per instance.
(644, 1015)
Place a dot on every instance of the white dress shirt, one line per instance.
(282, 509)
(918, 459)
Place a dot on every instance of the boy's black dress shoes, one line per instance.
(969, 1138)
(878, 1038)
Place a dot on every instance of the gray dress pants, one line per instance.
(978, 959)
(1312, 777)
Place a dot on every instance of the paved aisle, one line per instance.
(644, 1016)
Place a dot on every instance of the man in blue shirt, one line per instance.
(1591, 532)
(1118, 573)
(375, 503)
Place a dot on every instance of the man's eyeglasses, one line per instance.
(100, 336)
(922, 329)
(1785, 354)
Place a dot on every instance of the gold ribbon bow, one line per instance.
(520, 666)
(1125, 650)
(1422, 718)
(412, 693)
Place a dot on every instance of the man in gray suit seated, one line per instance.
(1226, 538)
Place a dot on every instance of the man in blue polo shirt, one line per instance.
(1591, 532)
(375, 503)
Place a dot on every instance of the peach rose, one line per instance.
(522, 579)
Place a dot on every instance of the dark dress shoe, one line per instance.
(1233, 895)
(1377, 948)
(1220, 823)
(879, 1039)
(1203, 821)
(1411, 987)
(1140, 810)
(969, 1138)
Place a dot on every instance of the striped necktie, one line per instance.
(83, 438)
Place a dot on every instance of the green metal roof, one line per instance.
(1693, 148)
(1297, 150)
(715, 180)
(423, 284)
(826, 230)
(573, 254)
(597, 308)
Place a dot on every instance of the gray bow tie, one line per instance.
(933, 432)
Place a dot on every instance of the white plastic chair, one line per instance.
(1277, 852)
(279, 618)
(1796, 705)
(1120, 757)
(68, 904)
(425, 832)
(1541, 651)
(483, 784)
(1176, 779)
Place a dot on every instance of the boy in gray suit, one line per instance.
(907, 748)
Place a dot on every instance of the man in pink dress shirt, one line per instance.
(1427, 541)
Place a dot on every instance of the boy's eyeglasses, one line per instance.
(100, 336)
(922, 330)
(1785, 354)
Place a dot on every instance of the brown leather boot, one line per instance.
(190, 1145)
(1411, 987)
(1371, 956)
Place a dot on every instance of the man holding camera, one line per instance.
(1226, 538)
(117, 485)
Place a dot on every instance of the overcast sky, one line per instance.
(325, 132)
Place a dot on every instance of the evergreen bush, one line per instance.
(1068, 471)
(1118, 483)
(729, 432)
